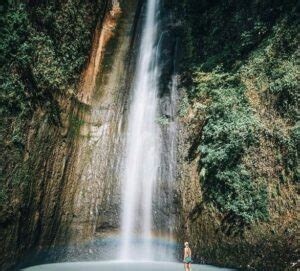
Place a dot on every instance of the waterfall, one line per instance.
(144, 164)
(141, 161)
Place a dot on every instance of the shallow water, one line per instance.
(121, 266)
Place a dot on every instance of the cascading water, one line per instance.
(142, 158)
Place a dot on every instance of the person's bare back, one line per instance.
(187, 257)
(187, 252)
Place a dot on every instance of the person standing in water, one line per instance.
(187, 257)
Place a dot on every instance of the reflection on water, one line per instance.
(121, 266)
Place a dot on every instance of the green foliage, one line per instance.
(288, 143)
(251, 37)
(293, 162)
(183, 106)
(43, 48)
(163, 120)
(227, 42)
(3, 196)
(224, 32)
(14, 57)
(285, 88)
(75, 124)
(230, 129)
(273, 70)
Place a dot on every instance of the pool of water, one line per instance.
(121, 266)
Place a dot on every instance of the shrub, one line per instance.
(43, 48)
(284, 86)
(230, 129)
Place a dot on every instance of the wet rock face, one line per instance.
(99, 151)
(72, 192)
(163, 200)
(35, 207)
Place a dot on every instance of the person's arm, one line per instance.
(184, 253)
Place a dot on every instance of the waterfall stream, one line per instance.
(143, 167)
